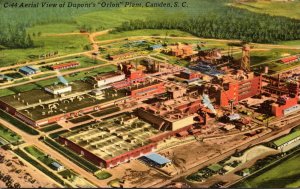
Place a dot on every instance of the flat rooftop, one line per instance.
(57, 87)
(287, 138)
(113, 137)
(144, 84)
(31, 97)
(45, 110)
(169, 109)
(107, 75)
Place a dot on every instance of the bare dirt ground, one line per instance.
(23, 173)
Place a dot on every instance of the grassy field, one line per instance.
(53, 28)
(41, 156)
(8, 135)
(6, 92)
(19, 124)
(46, 82)
(43, 75)
(102, 175)
(148, 32)
(39, 166)
(288, 9)
(291, 43)
(44, 44)
(284, 175)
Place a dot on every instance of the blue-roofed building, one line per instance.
(28, 70)
(156, 47)
(57, 167)
(33, 68)
(155, 160)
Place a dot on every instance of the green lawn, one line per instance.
(46, 82)
(41, 156)
(284, 175)
(17, 123)
(6, 92)
(53, 28)
(287, 9)
(24, 88)
(8, 135)
(44, 44)
(39, 166)
(81, 75)
(291, 43)
(42, 75)
(102, 175)
(148, 32)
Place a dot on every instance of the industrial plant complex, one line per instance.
(136, 109)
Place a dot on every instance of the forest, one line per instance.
(204, 18)
(234, 23)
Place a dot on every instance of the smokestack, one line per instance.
(266, 71)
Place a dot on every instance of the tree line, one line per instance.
(15, 36)
(233, 23)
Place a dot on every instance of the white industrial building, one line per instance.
(112, 77)
(58, 89)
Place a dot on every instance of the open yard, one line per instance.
(145, 32)
(44, 44)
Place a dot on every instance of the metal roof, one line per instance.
(56, 165)
(32, 68)
(287, 138)
(62, 80)
(156, 46)
(161, 160)
(27, 70)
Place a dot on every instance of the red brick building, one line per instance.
(278, 108)
(189, 75)
(181, 50)
(239, 90)
(290, 59)
(65, 65)
(107, 163)
(145, 91)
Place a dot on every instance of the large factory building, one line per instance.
(236, 90)
(108, 144)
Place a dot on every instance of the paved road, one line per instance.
(33, 140)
